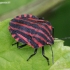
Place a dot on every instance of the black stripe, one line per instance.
(39, 40)
(35, 26)
(34, 17)
(52, 41)
(48, 29)
(23, 28)
(48, 23)
(22, 41)
(17, 16)
(14, 32)
(29, 38)
(28, 30)
(15, 35)
(37, 20)
(22, 16)
(28, 16)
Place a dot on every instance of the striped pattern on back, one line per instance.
(31, 30)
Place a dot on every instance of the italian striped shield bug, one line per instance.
(31, 30)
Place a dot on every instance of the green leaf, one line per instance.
(12, 58)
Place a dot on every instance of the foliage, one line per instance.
(14, 4)
(12, 58)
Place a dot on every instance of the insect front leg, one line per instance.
(22, 46)
(15, 43)
(44, 55)
(18, 45)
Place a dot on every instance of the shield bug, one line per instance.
(31, 30)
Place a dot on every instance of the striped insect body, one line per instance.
(30, 30)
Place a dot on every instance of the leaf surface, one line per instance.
(12, 58)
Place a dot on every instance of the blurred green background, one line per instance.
(55, 11)
(9, 5)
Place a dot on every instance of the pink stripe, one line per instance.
(25, 39)
(35, 35)
(32, 28)
(17, 39)
(30, 15)
(13, 35)
(25, 15)
(37, 42)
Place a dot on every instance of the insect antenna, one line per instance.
(52, 55)
(62, 38)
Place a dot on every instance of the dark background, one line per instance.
(60, 20)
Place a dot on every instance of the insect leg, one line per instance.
(35, 51)
(18, 45)
(44, 55)
(52, 55)
(22, 46)
(15, 43)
